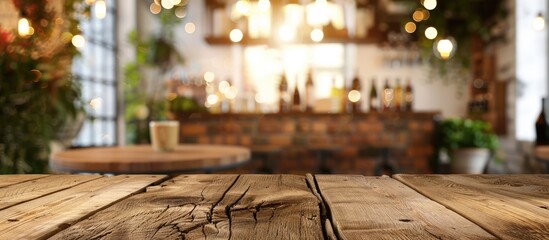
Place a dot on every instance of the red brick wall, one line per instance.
(408, 136)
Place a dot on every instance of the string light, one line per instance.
(78, 41)
(317, 35)
(209, 77)
(236, 35)
(430, 4)
(431, 33)
(410, 27)
(155, 8)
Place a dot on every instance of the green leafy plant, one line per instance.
(37, 92)
(465, 133)
(145, 98)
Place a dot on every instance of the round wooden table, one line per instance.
(143, 159)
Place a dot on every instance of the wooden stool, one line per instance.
(323, 152)
(266, 154)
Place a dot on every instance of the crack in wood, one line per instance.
(220, 199)
(228, 210)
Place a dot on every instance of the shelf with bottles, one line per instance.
(266, 22)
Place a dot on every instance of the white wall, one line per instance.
(531, 55)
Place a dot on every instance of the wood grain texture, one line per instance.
(143, 159)
(383, 208)
(269, 207)
(508, 206)
(6, 180)
(210, 207)
(178, 208)
(35, 188)
(42, 217)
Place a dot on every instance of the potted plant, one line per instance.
(469, 144)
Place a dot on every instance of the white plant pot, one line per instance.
(469, 160)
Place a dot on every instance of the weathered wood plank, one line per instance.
(45, 216)
(6, 180)
(383, 208)
(178, 208)
(211, 207)
(508, 206)
(35, 188)
(269, 207)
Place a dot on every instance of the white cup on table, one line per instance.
(164, 135)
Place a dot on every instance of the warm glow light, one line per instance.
(418, 15)
(78, 41)
(190, 27)
(212, 99)
(430, 4)
(175, 2)
(426, 14)
(354, 96)
(209, 76)
(445, 47)
(259, 98)
(231, 93)
(293, 14)
(180, 12)
(263, 5)
(286, 33)
(100, 9)
(318, 13)
(431, 33)
(243, 7)
(155, 8)
(317, 35)
(410, 27)
(223, 86)
(236, 35)
(95, 103)
(23, 27)
(167, 4)
(539, 23)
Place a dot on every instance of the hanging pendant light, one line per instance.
(445, 47)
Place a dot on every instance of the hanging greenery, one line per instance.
(37, 92)
(483, 21)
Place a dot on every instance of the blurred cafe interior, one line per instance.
(366, 87)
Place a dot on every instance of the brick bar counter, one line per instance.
(406, 139)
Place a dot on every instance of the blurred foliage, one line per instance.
(485, 20)
(145, 99)
(37, 92)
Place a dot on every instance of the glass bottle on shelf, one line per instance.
(282, 91)
(387, 96)
(296, 101)
(343, 98)
(373, 101)
(335, 96)
(309, 93)
(355, 96)
(542, 129)
(408, 96)
(398, 96)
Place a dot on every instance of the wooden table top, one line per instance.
(143, 159)
(274, 207)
